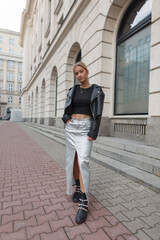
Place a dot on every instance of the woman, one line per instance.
(82, 116)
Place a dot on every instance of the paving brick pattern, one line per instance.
(34, 205)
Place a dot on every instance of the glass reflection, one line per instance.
(137, 13)
(132, 78)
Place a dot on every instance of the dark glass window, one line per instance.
(133, 60)
(78, 59)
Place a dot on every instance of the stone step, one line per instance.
(57, 132)
(45, 127)
(55, 138)
(144, 163)
(117, 154)
(140, 176)
(130, 146)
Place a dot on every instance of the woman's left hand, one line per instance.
(90, 138)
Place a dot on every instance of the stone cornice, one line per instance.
(2, 30)
(24, 19)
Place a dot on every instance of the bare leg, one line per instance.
(81, 183)
(76, 167)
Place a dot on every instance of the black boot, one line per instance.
(82, 209)
(77, 194)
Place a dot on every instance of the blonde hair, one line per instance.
(82, 64)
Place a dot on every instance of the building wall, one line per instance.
(10, 70)
(153, 124)
(51, 45)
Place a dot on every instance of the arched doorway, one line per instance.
(29, 108)
(73, 57)
(36, 105)
(8, 113)
(54, 91)
(42, 103)
(78, 59)
(32, 106)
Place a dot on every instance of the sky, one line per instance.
(10, 14)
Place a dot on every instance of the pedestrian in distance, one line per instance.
(82, 116)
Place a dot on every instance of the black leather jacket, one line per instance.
(96, 104)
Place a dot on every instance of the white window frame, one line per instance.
(20, 64)
(10, 76)
(20, 87)
(10, 99)
(11, 51)
(10, 87)
(19, 77)
(10, 64)
(11, 41)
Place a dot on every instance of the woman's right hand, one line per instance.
(69, 120)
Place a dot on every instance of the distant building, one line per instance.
(11, 61)
(119, 40)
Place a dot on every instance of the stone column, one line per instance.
(153, 123)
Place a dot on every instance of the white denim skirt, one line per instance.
(77, 141)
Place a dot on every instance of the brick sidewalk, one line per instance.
(33, 203)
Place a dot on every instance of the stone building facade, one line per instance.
(11, 61)
(120, 43)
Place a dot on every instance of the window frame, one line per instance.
(10, 75)
(20, 76)
(11, 64)
(10, 99)
(11, 51)
(123, 37)
(10, 87)
(11, 41)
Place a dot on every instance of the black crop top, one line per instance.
(81, 101)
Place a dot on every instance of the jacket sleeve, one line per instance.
(96, 119)
(67, 111)
(94, 129)
(66, 117)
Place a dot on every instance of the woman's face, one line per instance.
(81, 74)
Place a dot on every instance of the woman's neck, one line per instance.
(85, 84)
